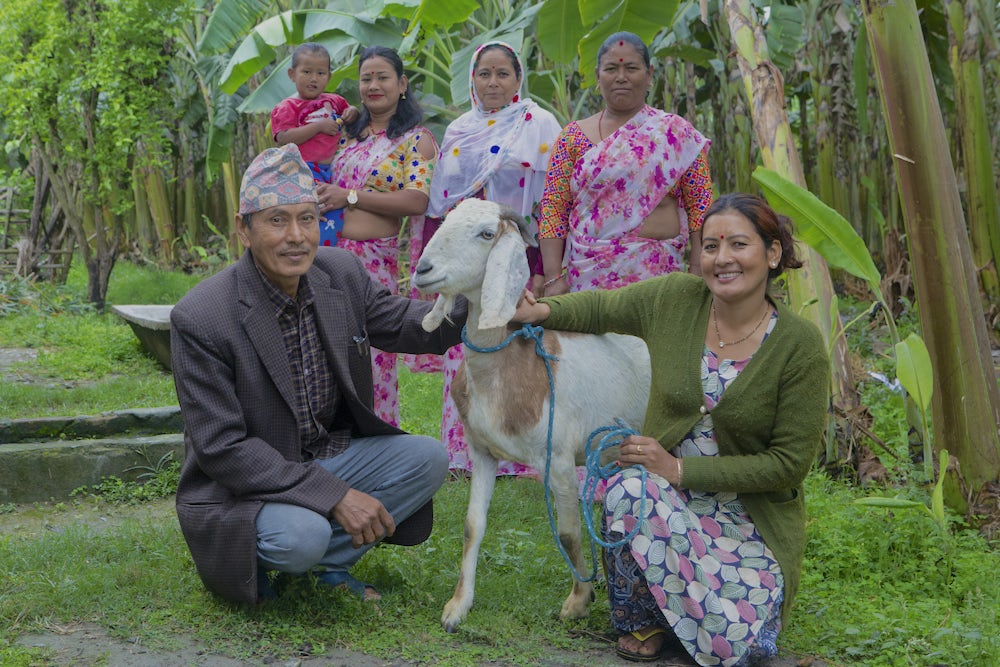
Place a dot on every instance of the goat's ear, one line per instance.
(504, 280)
(442, 306)
(509, 214)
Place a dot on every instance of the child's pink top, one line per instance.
(293, 111)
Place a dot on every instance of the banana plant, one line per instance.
(966, 404)
(811, 287)
(832, 236)
(575, 29)
(972, 124)
(935, 511)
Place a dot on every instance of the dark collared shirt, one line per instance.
(316, 393)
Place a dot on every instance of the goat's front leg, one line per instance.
(484, 477)
(565, 489)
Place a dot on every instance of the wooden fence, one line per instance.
(30, 248)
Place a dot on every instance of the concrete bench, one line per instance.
(151, 325)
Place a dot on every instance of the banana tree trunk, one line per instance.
(810, 289)
(159, 208)
(232, 205)
(977, 158)
(966, 403)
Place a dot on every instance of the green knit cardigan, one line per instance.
(769, 423)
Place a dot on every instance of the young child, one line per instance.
(313, 119)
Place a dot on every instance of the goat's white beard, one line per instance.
(439, 313)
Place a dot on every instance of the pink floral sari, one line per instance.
(617, 184)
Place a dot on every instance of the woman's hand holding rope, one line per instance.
(650, 454)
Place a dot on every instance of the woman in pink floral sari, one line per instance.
(381, 174)
(626, 188)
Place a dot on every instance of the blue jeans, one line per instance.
(401, 471)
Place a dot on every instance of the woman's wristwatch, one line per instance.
(352, 199)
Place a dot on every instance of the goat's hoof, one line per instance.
(575, 607)
(453, 615)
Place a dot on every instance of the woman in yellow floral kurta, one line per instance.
(381, 174)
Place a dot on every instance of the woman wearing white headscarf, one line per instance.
(499, 151)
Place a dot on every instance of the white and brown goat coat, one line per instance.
(503, 396)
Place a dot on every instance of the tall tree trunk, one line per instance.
(812, 284)
(977, 158)
(966, 403)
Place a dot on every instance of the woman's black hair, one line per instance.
(408, 113)
(629, 37)
(504, 49)
(769, 225)
(310, 48)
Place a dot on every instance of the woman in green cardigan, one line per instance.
(736, 414)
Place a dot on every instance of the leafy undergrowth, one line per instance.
(885, 588)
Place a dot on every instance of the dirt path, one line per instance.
(87, 645)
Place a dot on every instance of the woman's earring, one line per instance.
(403, 96)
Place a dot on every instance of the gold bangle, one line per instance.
(680, 472)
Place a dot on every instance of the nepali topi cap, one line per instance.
(275, 177)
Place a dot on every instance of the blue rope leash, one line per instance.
(613, 437)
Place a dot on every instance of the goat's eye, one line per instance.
(487, 234)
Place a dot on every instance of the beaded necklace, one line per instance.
(722, 343)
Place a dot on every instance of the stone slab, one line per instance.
(140, 421)
(41, 471)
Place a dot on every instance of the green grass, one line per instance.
(95, 355)
(142, 574)
(877, 590)
(888, 588)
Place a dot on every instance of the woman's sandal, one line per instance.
(635, 656)
(343, 578)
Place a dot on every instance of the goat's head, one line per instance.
(479, 252)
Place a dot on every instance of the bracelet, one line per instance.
(549, 282)
(680, 472)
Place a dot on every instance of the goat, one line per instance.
(503, 397)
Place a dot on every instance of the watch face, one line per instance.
(352, 197)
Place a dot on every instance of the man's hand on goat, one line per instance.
(364, 518)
